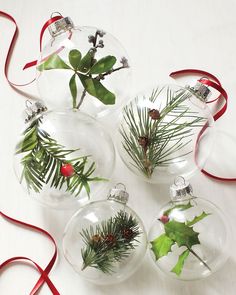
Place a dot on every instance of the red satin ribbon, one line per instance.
(12, 45)
(44, 273)
(223, 95)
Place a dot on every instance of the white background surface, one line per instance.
(160, 36)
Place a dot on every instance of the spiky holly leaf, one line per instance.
(177, 269)
(197, 218)
(53, 62)
(161, 246)
(180, 207)
(181, 233)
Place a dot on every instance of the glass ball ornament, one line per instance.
(189, 238)
(83, 67)
(105, 241)
(166, 132)
(63, 157)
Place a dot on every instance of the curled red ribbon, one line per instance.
(12, 45)
(216, 84)
(44, 273)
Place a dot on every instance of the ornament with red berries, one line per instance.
(56, 159)
(189, 239)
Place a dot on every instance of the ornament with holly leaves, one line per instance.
(86, 71)
(181, 234)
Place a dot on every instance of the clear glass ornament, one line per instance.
(101, 231)
(166, 132)
(189, 238)
(57, 158)
(83, 67)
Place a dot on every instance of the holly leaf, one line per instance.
(197, 218)
(180, 207)
(53, 62)
(181, 233)
(73, 89)
(103, 65)
(161, 246)
(75, 58)
(177, 269)
(86, 62)
(95, 88)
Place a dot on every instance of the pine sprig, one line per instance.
(110, 242)
(150, 139)
(44, 159)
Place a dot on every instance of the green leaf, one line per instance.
(53, 62)
(161, 246)
(75, 58)
(95, 88)
(197, 218)
(180, 207)
(179, 265)
(103, 65)
(73, 89)
(86, 62)
(181, 233)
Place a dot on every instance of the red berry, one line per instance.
(67, 170)
(164, 219)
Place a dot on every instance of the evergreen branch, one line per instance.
(109, 242)
(152, 138)
(44, 159)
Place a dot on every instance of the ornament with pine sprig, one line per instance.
(84, 68)
(57, 159)
(189, 238)
(105, 241)
(165, 131)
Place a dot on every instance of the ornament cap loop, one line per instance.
(60, 26)
(180, 189)
(199, 89)
(119, 194)
(34, 109)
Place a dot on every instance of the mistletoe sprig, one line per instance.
(178, 233)
(110, 242)
(152, 137)
(45, 162)
(87, 70)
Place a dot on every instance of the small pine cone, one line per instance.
(143, 141)
(154, 114)
(127, 233)
(91, 39)
(96, 238)
(110, 240)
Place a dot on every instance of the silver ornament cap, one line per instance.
(119, 194)
(181, 189)
(34, 109)
(60, 26)
(199, 89)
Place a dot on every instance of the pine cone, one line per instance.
(127, 233)
(96, 239)
(110, 239)
(143, 141)
(154, 114)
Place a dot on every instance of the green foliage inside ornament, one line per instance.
(87, 70)
(178, 233)
(109, 242)
(44, 160)
(152, 137)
